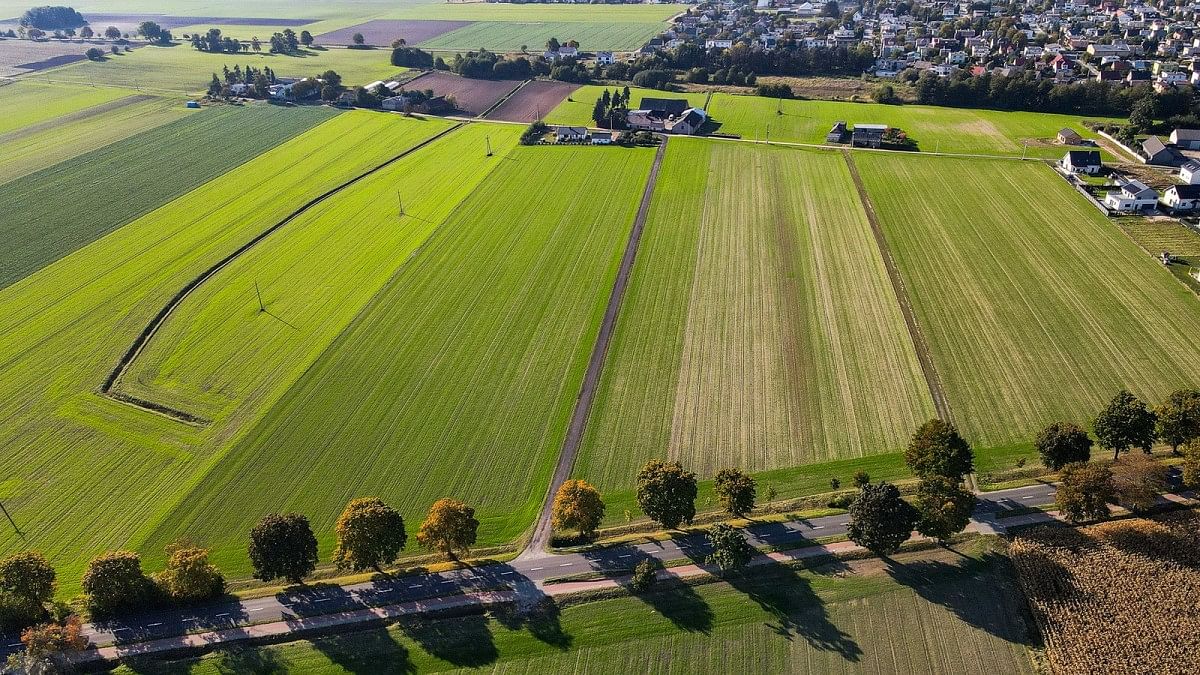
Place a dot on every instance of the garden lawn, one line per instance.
(65, 138)
(954, 130)
(55, 211)
(26, 103)
(760, 329)
(459, 377)
(180, 68)
(933, 614)
(85, 473)
(1035, 306)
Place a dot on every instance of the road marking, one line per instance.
(118, 630)
(257, 609)
(192, 618)
(222, 614)
(566, 564)
(415, 586)
(322, 600)
(627, 555)
(535, 569)
(17, 645)
(1027, 497)
(152, 625)
(818, 527)
(504, 574)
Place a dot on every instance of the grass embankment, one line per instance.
(67, 137)
(956, 130)
(86, 473)
(52, 212)
(1036, 308)
(929, 612)
(759, 330)
(458, 378)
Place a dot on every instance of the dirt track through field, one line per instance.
(163, 314)
(93, 111)
(591, 379)
(924, 357)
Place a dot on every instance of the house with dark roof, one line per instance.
(1069, 137)
(1133, 197)
(837, 134)
(1082, 161)
(688, 123)
(1180, 198)
(1157, 153)
(867, 135)
(1190, 172)
(670, 106)
(571, 134)
(1187, 139)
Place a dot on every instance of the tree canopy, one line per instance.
(282, 546)
(1177, 419)
(667, 493)
(1137, 480)
(880, 520)
(736, 491)
(1062, 443)
(114, 582)
(450, 527)
(577, 506)
(730, 550)
(369, 534)
(944, 507)
(1084, 491)
(52, 17)
(937, 449)
(189, 576)
(1123, 423)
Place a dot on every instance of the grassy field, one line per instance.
(182, 69)
(533, 13)
(1036, 307)
(933, 614)
(26, 103)
(218, 355)
(65, 138)
(86, 473)
(512, 35)
(760, 329)
(458, 378)
(957, 130)
(55, 211)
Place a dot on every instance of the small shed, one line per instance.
(1069, 136)
(193, 104)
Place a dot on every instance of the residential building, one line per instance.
(1182, 198)
(1134, 196)
(1082, 161)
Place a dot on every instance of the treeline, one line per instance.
(284, 42)
(1041, 95)
(50, 17)
(487, 65)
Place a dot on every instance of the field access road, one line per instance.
(526, 577)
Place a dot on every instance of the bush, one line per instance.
(534, 133)
(95, 54)
(774, 91)
(645, 574)
(654, 79)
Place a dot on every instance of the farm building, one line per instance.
(1188, 139)
(667, 106)
(1156, 152)
(1081, 161)
(646, 120)
(571, 134)
(605, 58)
(837, 134)
(868, 135)
(688, 123)
(1133, 197)
(1069, 137)
(602, 138)
(1182, 197)
(1190, 172)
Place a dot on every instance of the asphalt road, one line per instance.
(523, 575)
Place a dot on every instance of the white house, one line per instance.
(1190, 172)
(604, 58)
(718, 44)
(602, 138)
(1134, 196)
(1081, 161)
(1182, 197)
(1188, 139)
(570, 134)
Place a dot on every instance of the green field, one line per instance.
(26, 103)
(535, 12)
(512, 35)
(182, 69)
(458, 378)
(24, 151)
(760, 329)
(85, 473)
(956, 130)
(927, 615)
(1036, 307)
(57, 210)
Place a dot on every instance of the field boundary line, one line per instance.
(499, 102)
(924, 356)
(163, 314)
(591, 379)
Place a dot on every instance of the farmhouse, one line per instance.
(868, 135)
(570, 134)
(1134, 196)
(667, 106)
(1188, 139)
(1182, 197)
(688, 123)
(1069, 137)
(1081, 161)
(646, 120)
(605, 58)
(837, 134)
(1190, 172)
(1157, 153)
(602, 137)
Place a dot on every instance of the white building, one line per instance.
(1134, 196)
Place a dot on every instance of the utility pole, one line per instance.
(10, 519)
(261, 307)
(401, 203)
(1024, 147)
(488, 141)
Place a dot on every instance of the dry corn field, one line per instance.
(760, 329)
(1116, 597)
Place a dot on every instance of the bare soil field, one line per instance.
(25, 56)
(1116, 597)
(533, 101)
(382, 32)
(473, 96)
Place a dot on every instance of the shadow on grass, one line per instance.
(464, 641)
(672, 598)
(373, 650)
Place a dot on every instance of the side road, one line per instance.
(299, 608)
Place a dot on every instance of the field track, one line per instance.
(591, 379)
(936, 392)
(163, 314)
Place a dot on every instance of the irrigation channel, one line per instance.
(114, 378)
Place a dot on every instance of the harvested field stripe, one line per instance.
(503, 98)
(155, 323)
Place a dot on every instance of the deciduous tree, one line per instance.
(306, 38)
(944, 507)
(861, 479)
(937, 449)
(1084, 491)
(577, 506)
(1177, 419)
(112, 32)
(114, 582)
(450, 528)
(282, 546)
(667, 493)
(1137, 480)
(730, 550)
(1124, 423)
(28, 581)
(369, 534)
(1191, 464)
(1063, 443)
(880, 520)
(46, 644)
(645, 573)
(736, 491)
(189, 576)
(150, 30)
